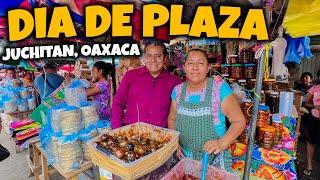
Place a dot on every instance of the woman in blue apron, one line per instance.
(198, 110)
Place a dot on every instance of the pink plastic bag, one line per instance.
(191, 167)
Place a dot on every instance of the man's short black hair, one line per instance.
(51, 65)
(156, 43)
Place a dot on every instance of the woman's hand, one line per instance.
(213, 146)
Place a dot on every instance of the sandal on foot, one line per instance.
(307, 172)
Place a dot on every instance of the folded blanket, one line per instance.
(27, 133)
(18, 124)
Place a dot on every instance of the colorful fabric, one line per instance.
(29, 126)
(267, 164)
(18, 124)
(139, 90)
(54, 99)
(103, 99)
(277, 163)
(27, 133)
(315, 91)
(199, 96)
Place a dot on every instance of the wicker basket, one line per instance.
(89, 115)
(143, 165)
(69, 155)
(70, 121)
(190, 167)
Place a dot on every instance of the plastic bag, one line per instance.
(86, 135)
(70, 120)
(298, 48)
(45, 136)
(25, 93)
(75, 93)
(89, 114)
(103, 125)
(10, 106)
(32, 103)
(70, 154)
(22, 105)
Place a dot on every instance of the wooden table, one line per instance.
(69, 175)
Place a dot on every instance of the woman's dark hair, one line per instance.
(106, 68)
(156, 43)
(200, 51)
(306, 74)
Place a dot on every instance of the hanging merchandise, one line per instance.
(231, 47)
(180, 47)
(298, 48)
(279, 45)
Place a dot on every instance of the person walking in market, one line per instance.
(101, 89)
(198, 110)
(311, 126)
(144, 93)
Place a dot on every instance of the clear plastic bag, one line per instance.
(25, 93)
(10, 106)
(22, 105)
(70, 120)
(32, 103)
(75, 93)
(103, 125)
(86, 135)
(89, 114)
(69, 152)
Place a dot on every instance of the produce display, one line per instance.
(128, 146)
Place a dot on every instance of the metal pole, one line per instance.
(253, 123)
